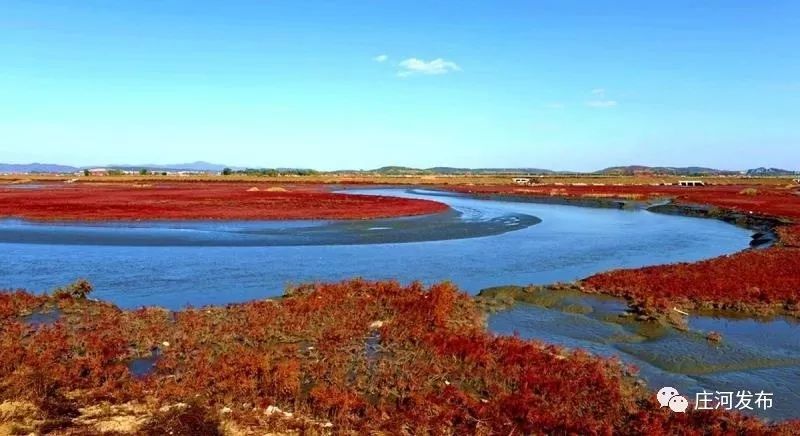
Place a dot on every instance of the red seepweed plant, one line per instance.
(354, 356)
(198, 201)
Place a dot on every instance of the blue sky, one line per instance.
(361, 84)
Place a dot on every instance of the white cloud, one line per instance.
(381, 58)
(414, 66)
(599, 99)
(601, 103)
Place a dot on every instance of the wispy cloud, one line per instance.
(601, 103)
(599, 99)
(414, 66)
(381, 58)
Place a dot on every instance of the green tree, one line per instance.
(144, 172)
(85, 172)
(227, 172)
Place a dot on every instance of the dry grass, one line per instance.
(749, 191)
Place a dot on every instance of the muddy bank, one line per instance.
(446, 225)
(705, 352)
(765, 227)
(671, 313)
(566, 297)
(607, 203)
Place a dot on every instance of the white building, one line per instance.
(98, 171)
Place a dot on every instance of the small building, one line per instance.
(691, 183)
(98, 171)
(522, 180)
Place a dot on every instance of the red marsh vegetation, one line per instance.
(766, 281)
(354, 357)
(756, 281)
(192, 201)
(765, 200)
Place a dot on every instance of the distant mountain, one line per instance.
(770, 172)
(193, 166)
(202, 166)
(54, 168)
(36, 168)
(674, 171)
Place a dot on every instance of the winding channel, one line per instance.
(478, 244)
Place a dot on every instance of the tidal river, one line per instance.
(480, 243)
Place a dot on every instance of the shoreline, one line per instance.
(441, 226)
(668, 206)
(770, 233)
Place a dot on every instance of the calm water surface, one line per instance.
(483, 243)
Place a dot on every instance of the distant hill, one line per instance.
(202, 166)
(54, 168)
(36, 168)
(450, 170)
(675, 171)
(193, 166)
(770, 172)
(397, 170)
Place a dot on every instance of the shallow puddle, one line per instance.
(372, 346)
(752, 356)
(144, 366)
(38, 319)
